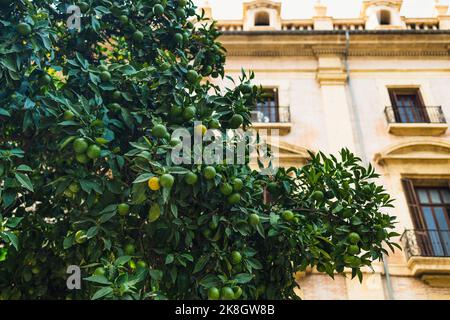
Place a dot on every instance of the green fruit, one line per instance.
(35, 270)
(166, 180)
(82, 158)
(68, 115)
(175, 111)
(191, 178)
(354, 238)
(237, 292)
(80, 145)
(123, 209)
(288, 215)
(74, 187)
(117, 95)
(24, 29)
(138, 36)
(154, 213)
(100, 271)
(237, 184)
(353, 261)
(207, 71)
(317, 196)
(209, 172)
(234, 198)
(214, 124)
(105, 76)
(115, 106)
(141, 264)
(226, 189)
(84, 7)
(227, 293)
(80, 237)
(158, 10)
(159, 131)
(213, 225)
(192, 76)
(175, 142)
(246, 88)
(189, 113)
(180, 13)
(236, 257)
(353, 249)
(253, 219)
(178, 38)
(213, 293)
(129, 249)
(93, 152)
(182, 3)
(123, 19)
(45, 79)
(236, 121)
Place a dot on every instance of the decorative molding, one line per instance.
(417, 129)
(429, 265)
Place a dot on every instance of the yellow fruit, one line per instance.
(200, 129)
(153, 184)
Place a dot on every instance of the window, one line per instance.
(267, 110)
(430, 210)
(262, 19)
(408, 106)
(384, 17)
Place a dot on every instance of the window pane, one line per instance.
(423, 196)
(440, 217)
(445, 195)
(434, 195)
(429, 220)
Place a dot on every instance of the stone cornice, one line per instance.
(303, 43)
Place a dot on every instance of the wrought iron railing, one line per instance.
(271, 114)
(426, 243)
(415, 114)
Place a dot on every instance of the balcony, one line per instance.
(272, 118)
(428, 255)
(416, 121)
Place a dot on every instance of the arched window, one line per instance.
(384, 17)
(262, 19)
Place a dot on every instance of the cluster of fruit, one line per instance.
(226, 293)
(85, 152)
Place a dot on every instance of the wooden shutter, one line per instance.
(413, 204)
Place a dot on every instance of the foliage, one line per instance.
(78, 147)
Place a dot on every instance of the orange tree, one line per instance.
(85, 175)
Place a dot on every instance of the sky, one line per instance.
(301, 9)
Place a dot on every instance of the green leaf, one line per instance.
(24, 181)
(201, 263)
(243, 278)
(143, 177)
(24, 167)
(11, 238)
(98, 279)
(102, 293)
(122, 260)
(169, 259)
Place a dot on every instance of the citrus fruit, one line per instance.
(153, 183)
(192, 76)
(200, 129)
(175, 142)
(207, 71)
(68, 115)
(191, 178)
(354, 238)
(236, 121)
(246, 88)
(237, 184)
(74, 187)
(159, 131)
(123, 209)
(105, 76)
(352, 261)
(213, 225)
(141, 264)
(288, 215)
(93, 152)
(129, 249)
(178, 38)
(234, 198)
(227, 293)
(237, 292)
(226, 189)
(24, 29)
(182, 3)
(45, 79)
(138, 36)
(317, 196)
(80, 237)
(236, 257)
(176, 111)
(114, 106)
(209, 172)
(180, 13)
(214, 124)
(68, 193)
(253, 219)
(166, 180)
(154, 213)
(189, 113)
(353, 249)
(123, 19)
(158, 9)
(82, 158)
(100, 271)
(213, 293)
(116, 95)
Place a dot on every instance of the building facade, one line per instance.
(379, 85)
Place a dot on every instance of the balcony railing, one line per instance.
(271, 114)
(414, 115)
(426, 243)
